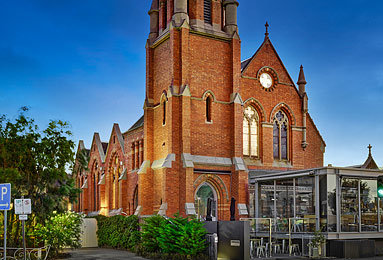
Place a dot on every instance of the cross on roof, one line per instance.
(369, 149)
(267, 31)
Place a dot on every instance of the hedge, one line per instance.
(118, 232)
(159, 238)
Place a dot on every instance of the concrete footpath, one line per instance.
(101, 253)
(105, 253)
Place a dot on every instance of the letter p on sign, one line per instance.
(3, 192)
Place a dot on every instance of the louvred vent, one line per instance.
(207, 11)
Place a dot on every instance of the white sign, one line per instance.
(23, 206)
(23, 217)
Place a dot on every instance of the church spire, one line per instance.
(302, 81)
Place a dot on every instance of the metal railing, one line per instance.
(31, 253)
(263, 225)
(270, 227)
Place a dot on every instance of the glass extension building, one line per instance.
(341, 202)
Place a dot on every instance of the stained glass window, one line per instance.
(250, 132)
(280, 136)
(245, 137)
(276, 140)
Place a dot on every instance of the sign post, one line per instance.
(22, 208)
(5, 204)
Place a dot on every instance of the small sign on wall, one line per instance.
(235, 242)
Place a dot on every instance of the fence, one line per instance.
(31, 253)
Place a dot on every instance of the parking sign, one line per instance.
(5, 196)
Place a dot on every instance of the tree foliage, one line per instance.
(36, 162)
(60, 230)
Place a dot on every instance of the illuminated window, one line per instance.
(280, 136)
(250, 132)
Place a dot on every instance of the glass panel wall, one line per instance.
(369, 205)
(323, 203)
(331, 203)
(295, 198)
(285, 198)
(349, 205)
(266, 199)
(305, 204)
(251, 205)
(305, 191)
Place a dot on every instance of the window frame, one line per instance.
(207, 18)
(255, 117)
(208, 109)
(280, 123)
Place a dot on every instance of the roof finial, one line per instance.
(369, 149)
(267, 30)
(301, 78)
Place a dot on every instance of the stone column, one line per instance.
(154, 15)
(180, 12)
(231, 16)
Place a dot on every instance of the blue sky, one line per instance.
(83, 61)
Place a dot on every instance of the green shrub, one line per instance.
(182, 235)
(60, 230)
(149, 233)
(174, 238)
(118, 232)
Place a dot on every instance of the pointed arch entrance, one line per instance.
(204, 192)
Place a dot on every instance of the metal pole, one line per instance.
(270, 245)
(290, 236)
(23, 224)
(25, 256)
(5, 234)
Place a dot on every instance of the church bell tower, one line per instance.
(192, 117)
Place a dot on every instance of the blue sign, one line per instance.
(5, 196)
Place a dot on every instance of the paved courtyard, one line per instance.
(101, 253)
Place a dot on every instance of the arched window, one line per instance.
(250, 132)
(208, 108)
(135, 198)
(205, 201)
(164, 112)
(207, 11)
(280, 136)
(94, 193)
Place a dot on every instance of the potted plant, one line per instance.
(317, 245)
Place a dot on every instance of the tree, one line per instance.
(36, 162)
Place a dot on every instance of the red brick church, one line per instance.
(208, 120)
